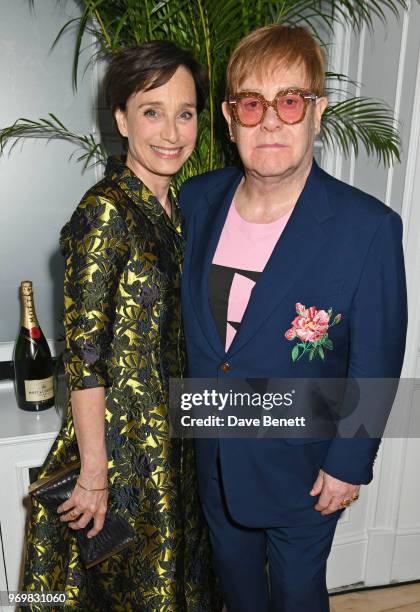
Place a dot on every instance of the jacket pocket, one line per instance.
(303, 441)
(304, 293)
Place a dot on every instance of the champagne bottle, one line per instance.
(34, 384)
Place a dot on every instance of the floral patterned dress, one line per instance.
(123, 331)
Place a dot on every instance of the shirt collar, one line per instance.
(117, 171)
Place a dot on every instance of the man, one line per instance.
(289, 273)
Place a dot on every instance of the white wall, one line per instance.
(384, 61)
(39, 185)
(378, 542)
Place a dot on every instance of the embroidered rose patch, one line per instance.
(310, 329)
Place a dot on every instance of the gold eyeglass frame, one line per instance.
(307, 96)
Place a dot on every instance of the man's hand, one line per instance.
(332, 492)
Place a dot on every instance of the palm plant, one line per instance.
(211, 29)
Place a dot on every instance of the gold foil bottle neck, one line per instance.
(29, 318)
(26, 287)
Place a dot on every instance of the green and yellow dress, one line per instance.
(123, 332)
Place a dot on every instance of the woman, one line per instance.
(123, 251)
(289, 273)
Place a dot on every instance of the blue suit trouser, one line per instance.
(296, 558)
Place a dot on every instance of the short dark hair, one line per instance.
(149, 65)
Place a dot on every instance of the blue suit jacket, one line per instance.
(341, 248)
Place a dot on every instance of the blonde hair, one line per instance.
(272, 45)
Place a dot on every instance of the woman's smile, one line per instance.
(166, 152)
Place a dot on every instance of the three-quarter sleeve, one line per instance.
(95, 246)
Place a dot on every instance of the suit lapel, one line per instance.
(208, 226)
(301, 240)
(292, 257)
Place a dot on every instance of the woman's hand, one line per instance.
(88, 408)
(84, 505)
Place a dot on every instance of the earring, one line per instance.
(231, 137)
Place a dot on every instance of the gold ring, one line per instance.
(345, 503)
(73, 515)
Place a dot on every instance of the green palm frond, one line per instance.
(363, 12)
(342, 79)
(91, 152)
(211, 29)
(361, 120)
(308, 14)
(119, 23)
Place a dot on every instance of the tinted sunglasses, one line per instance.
(249, 107)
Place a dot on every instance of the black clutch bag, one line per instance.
(116, 533)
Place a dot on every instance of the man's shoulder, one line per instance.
(202, 184)
(349, 202)
(208, 180)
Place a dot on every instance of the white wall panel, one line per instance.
(39, 185)
(386, 62)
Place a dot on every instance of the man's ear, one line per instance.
(228, 117)
(320, 106)
(121, 121)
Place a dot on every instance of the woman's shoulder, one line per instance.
(99, 211)
(104, 194)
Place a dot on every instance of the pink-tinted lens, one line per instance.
(250, 110)
(290, 107)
